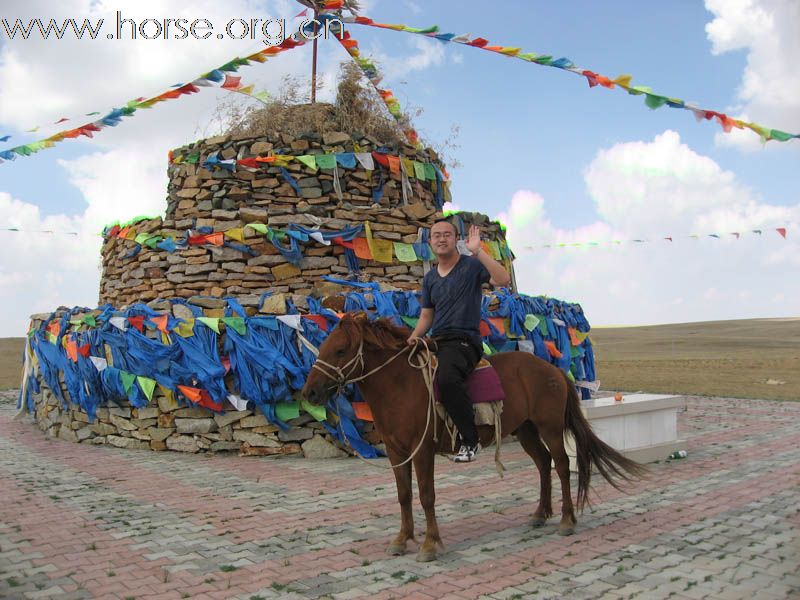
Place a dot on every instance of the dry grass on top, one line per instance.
(357, 110)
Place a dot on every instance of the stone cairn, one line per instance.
(205, 195)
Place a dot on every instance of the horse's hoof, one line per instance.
(396, 549)
(538, 521)
(426, 555)
(566, 530)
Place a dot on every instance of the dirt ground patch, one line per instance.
(11, 362)
(754, 358)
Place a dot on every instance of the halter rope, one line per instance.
(422, 363)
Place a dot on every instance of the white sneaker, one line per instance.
(466, 453)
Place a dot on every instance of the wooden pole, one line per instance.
(314, 62)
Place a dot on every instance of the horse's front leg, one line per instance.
(423, 465)
(402, 477)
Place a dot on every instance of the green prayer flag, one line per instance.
(531, 321)
(326, 161)
(636, 90)
(779, 135)
(141, 237)
(405, 252)
(410, 321)
(318, 412)
(570, 376)
(89, 320)
(127, 380)
(235, 323)
(192, 159)
(543, 326)
(213, 323)
(430, 172)
(653, 101)
(147, 385)
(308, 160)
(286, 411)
(419, 170)
(574, 351)
(431, 29)
(487, 349)
(259, 227)
(151, 242)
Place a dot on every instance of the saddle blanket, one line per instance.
(483, 384)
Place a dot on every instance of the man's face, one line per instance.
(443, 239)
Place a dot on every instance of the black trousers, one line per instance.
(458, 356)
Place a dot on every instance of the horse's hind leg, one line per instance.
(423, 466)
(528, 436)
(402, 477)
(555, 442)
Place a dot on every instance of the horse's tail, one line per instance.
(591, 451)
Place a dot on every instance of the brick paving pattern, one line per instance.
(80, 521)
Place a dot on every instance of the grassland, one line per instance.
(753, 358)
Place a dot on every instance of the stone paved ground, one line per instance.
(99, 522)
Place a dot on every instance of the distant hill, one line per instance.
(753, 358)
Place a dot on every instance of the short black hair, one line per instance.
(446, 220)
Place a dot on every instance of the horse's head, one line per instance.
(340, 358)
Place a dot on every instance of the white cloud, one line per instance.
(650, 190)
(427, 53)
(768, 31)
(42, 271)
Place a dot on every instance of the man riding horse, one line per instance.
(451, 306)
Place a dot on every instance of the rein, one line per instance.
(417, 359)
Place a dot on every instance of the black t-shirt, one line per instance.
(456, 298)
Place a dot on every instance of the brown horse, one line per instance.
(540, 405)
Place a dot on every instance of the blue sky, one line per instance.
(536, 146)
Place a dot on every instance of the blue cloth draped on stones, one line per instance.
(287, 177)
(344, 411)
(422, 248)
(244, 248)
(267, 362)
(439, 196)
(201, 365)
(347, 234)
(260, 369)
(352, 261)
(377, 190)
(292, 253)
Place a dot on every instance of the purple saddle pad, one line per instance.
(483, 385)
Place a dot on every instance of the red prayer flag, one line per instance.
(137, 322)
(381, 158)
(782, 231)
(232, 82)
(319, 320)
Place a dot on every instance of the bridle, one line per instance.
(420, 359)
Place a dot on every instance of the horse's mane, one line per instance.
(380, 333)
